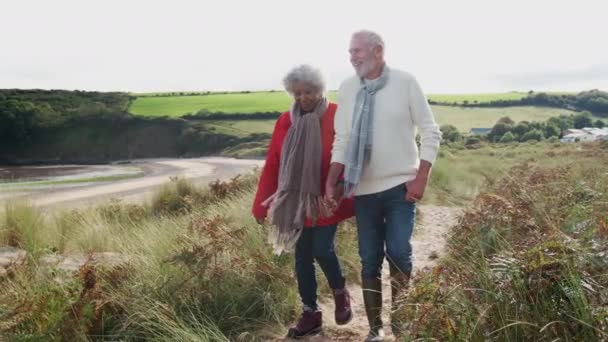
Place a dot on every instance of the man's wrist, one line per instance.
(422, 177)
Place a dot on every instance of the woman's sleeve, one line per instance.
(270, 173)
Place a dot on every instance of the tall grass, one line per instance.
(21, 227)
(195, 266)
(526, 262)
(459, 174)
(200, 273)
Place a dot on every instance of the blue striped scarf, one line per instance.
(359, 148)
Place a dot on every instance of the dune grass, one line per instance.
(197, 268)
(459, 174)
(526, 261)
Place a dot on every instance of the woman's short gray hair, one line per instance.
(306, 74)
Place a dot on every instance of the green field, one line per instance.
(227, 103)
(463, 118)
(480, 98)
(148, 104)
(466, 118)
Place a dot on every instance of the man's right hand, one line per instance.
(329, 191)
(335, 169)
(260, 220)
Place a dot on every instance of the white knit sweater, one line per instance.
(400, 109)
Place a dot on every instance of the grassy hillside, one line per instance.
(62, 126)
(65, 102)
(526, 262)
(25, 113)
(462, 118)
(98, 140)
(241, 128)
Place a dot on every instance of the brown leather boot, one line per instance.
(399, 285)
(343, 313)
(372, 298)
(310, 323)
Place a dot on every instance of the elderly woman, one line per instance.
(290, 192)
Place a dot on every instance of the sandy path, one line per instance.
(428, 244)
(157, 172)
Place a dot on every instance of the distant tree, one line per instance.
(507, 138)
(454, 136)
(506, 120)
(551, 131)
(534, 134)
(498, 131)
(582, 120)
(472, 141)
(521, 128)
(599, 124)
(17, 121)
(563, 122)
(447, 132)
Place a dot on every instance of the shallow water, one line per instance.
(62, 172)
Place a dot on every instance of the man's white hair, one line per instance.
(306, 74)
(371, 37)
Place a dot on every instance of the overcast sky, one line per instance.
(451, 46)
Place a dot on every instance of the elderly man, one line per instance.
(379, 113)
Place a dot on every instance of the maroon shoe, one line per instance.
(343, 313)
(310, 323)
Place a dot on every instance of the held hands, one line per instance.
(333, 194)
(333, 197)
(334, 188)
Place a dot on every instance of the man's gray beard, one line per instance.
(365, 69)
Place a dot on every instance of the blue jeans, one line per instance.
(316, 243)
(385, 219)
